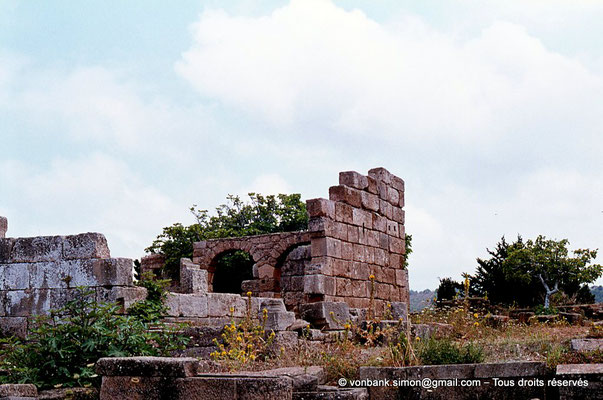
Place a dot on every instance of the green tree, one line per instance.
(525, 272)
(260, 215)
(448, 289)
(549, 262)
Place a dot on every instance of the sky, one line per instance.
(117, 117)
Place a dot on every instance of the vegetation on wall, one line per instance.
(62, 348)
(259, 215)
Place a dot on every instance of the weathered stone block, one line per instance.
(85, 246)
(319, 284)
(585, 345)
(399, 310)
(37, 249)
(192, 278)
(14, 276)
(345, 194)
(137, 388)
(218, 387)
(60, 297)
(18, 390)
(320, 208)
(278, 318)
(3, 227)
(353, 179)
(196, 305)
(123, 295)
(362, 218)
(344, 213)
(330, 315)
(381, 174)
(49, 275)
(18, 303)
(220, 304)
(147, 366)
(113, 271)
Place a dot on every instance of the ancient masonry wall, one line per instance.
(42, 273)
(358, 233)
(355, 235)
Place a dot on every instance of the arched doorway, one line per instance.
(229, 269)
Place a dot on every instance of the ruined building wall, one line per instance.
(41, 273)
(359, 232)
(356, 233)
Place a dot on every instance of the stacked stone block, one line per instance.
(42, 273)
(292, 273)
(358, 233)
(267, 251)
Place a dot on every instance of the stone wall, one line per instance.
(358, 233)
(38, 274)
(355, 235)
(268, 252)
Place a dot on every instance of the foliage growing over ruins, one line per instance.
(153, 308)
(246, 341)
(262, 214)
(516, 271)
(62, 348)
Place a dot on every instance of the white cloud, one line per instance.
(311, 61)
(268, 184)
(89, 193)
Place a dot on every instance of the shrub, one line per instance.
(244, 342)
(152, 308)
(62, 348)
(444, 351)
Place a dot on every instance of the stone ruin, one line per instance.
(321, 275)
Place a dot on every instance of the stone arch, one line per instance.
(264, 249)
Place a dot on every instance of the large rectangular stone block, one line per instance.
(330, 315)
(319, 284)
(193, 279)
(14, 276)
(113, 271)
(148, 366)
(37, 249)
(344, 213)
(233, 387)
(353, 179)
(85, 245)
(49, 275)
(194, 305)
(125, 296)
(220, 304)
(345, 194)
(320, 208)
(381, 174)
(362, 218)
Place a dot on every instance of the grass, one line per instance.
(471, 339)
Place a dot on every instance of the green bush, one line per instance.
(62, 348)
(153, 307)
(444, 351)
